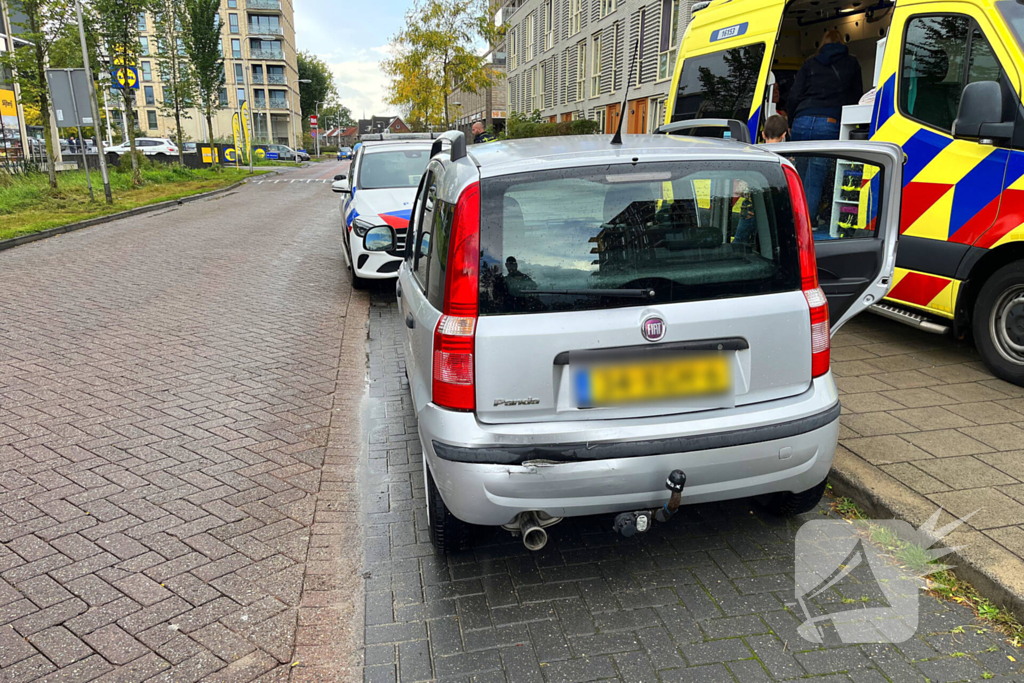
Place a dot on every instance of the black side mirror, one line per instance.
(980, 114)
(340, 176)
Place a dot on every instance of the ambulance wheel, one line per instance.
(448, 533)
(999, 323)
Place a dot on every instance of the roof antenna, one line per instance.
(617, 138)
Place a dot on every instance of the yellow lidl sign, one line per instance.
(7, 105)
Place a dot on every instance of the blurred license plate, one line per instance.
(603, 385)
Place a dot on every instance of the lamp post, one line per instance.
(304, 80)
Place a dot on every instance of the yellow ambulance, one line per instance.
(942, 79)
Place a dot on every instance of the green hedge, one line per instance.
(523, 126)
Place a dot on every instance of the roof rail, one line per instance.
(458, 141)
(738, 131)
(372, 137)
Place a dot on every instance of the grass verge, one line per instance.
(28, 205)
(944, 584)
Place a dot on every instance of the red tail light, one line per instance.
(454, 340)
(816, 301)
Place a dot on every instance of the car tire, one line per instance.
(357, 282)
(160, 156)
(788, 504)
(998, 323)
(448, 533)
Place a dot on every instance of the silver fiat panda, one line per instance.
(585, 319)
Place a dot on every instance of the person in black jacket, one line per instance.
(827, 82)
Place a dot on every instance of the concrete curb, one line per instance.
(994, 571)
(99, 220)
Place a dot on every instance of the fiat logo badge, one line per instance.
(653, 329)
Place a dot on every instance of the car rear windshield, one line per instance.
(719, 85)
(625, 235)
(392, 169)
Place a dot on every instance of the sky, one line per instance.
(352, 37)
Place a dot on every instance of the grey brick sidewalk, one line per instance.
(171, 446)
(703, 599)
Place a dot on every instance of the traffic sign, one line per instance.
(312, 121)
(125, 78)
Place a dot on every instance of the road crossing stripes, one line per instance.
(291, 180)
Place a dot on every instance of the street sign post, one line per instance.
(312, 121)
(68, 87)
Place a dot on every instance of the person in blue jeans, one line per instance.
(827, 82)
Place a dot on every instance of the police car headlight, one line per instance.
(361, 227)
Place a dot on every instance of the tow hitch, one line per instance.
(631, 523)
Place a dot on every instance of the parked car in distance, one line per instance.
(376, 200)
(344, 153)
(284, 152)
(155, 147)
(301, 155)
(587, 323)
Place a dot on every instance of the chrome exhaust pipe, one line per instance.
(534, 535)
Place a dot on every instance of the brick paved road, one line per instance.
(176, 472)
(703, 599)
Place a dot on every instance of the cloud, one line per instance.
(361, 86)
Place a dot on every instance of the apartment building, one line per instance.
(569, 58)
(259, 66)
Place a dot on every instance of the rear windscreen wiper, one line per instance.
(623, 293)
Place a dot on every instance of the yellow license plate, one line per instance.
(603, 385)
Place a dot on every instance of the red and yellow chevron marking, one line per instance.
(932, 293)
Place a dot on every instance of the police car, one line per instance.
(376, 202)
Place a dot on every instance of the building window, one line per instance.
(223, 99)
(581, 70)
(240, 94)
(150, 99)
(513, 51)
(595, 67)
(233, 23)
(236, 48)
(640, 49)
(538, 86)
(607, 7)
(142, 22)
(147, 71)
(144, 45)
(669, 38)
(601, 116)
(530, 21)
(232, 4)
(239, 76)
(575, 16)
(549, 25)
(151, 119)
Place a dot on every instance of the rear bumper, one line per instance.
(786, 445)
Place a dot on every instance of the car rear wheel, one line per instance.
(998, 323)
(787, 503)
(447, 532)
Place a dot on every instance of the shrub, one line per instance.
(522, 126)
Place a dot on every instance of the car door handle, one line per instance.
(409, 322)
(398, 289)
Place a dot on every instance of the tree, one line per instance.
(321, 88)
(43, 24)
(175, 70)
(119, 25)
(437, 51)
(335, 115)
(205, 50)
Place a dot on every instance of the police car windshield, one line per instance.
(1014, 16)
(391, 169)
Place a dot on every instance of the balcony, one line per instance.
(264, 30)
(257, 79)
(263, 5)
(277, 79)
(266, 54)
(259, 105)
(278, 104)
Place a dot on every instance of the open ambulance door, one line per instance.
(725, 61)
(856, 224)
